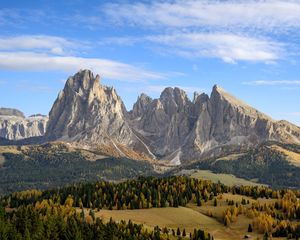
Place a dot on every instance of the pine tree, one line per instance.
(250, 228)
(92, 214)
(183, 233)
(226, 221)
(178, 232)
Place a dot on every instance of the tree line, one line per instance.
(48, 220)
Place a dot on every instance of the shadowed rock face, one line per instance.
(14, 125)
(171, 127)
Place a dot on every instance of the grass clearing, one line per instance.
(7, 149)
(292, 157)
(182, 217)
(91, 156)
(231, 157)
(227, 179)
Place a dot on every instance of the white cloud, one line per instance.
(228, 47)
(233, 14)
(274, 83)
(29, 61)
(50, 44)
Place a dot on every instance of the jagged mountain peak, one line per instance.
(174, 100)
(79, 106)
(173, 93)
(171, 127)
(167, 127)
(219, 92)
(84, 80)
(90, 114)
(140, 106)
(143, 96)
(218, 95)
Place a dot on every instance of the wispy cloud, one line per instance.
(50, 44)
(273, 83)
(52, 53)
(278, 15)
(228, 47)
(231, 30)
(29, 61)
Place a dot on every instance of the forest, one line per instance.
(47, 167)
(64, 206)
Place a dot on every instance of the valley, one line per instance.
(170, 168)
(150, 120)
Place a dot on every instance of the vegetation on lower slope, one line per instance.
(256, 208)
(48, 167)
(267, 165)
(226, 179)
(49, 220)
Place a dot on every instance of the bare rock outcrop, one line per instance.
(14, 125)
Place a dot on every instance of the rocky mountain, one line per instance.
(181, 130)
(222, 120)
(93, 115)
(14, 125)
(171, 127)
(166, 122)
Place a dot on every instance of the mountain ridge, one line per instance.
(172, 127)
(15, 126)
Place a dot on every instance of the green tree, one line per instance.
(178, 233)
(250, 228)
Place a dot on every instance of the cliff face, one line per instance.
(14, 125)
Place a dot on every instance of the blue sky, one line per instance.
(250, 48)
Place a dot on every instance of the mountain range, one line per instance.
(172, 128)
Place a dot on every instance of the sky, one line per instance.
(250, 48)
